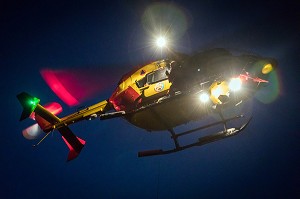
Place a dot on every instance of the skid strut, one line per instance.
(227, 132)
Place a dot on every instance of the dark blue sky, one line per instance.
(262, 162)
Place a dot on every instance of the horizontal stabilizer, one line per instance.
(74, 143)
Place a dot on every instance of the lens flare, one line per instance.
(165, 19)
(270, 93)
(204, 97)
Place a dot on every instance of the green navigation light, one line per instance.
(29, 104)
(33, 103)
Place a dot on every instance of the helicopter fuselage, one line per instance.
(165, 94)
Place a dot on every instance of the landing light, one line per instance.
(235, 84)
(216, 91)
(204, 97)
(161, 42)
(267, 69)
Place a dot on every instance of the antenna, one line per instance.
(35, 145)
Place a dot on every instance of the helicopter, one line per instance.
(165, 94)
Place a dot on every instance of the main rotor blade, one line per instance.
(73, 86)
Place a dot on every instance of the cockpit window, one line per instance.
(157, 76)
(153, 77)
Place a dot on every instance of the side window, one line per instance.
(157, 76)
(152, 78)
(141, 82)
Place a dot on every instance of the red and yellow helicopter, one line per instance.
(168, 93)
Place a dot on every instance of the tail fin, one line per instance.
(28, 103)
(47, 121)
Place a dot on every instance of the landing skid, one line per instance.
(227, 132)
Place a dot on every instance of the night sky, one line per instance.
(261, 162)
